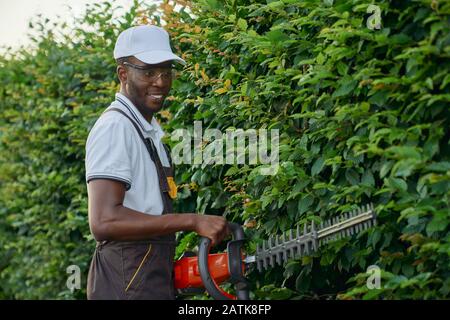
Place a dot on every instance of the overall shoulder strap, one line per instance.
(166, 148)
(169, 157)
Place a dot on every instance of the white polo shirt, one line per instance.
(115, 151)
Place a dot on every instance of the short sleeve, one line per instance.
(108, 152)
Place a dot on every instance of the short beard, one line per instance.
(133, 92)
(140, 101)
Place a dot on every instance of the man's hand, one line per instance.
(212, 227)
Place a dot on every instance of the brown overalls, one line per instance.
(122, 270)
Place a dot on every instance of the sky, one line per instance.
(16, 14)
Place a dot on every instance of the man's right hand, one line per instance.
(212, 227)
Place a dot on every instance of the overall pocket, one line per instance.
(135, 258)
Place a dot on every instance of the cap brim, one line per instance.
(155, 57)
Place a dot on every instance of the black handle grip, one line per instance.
(234, 264)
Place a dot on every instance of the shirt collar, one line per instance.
(152, 127)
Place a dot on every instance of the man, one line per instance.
(130, 179)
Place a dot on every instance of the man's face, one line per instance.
(148, 88)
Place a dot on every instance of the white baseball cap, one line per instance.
(148, 43)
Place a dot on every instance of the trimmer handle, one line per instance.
(234, 264)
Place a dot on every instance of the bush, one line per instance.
(50, 97)
(363, 117)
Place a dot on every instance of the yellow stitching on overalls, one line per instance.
(140, 266)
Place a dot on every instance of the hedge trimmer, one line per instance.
(192, 273)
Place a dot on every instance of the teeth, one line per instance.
(155, 96)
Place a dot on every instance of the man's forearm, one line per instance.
(124, 224)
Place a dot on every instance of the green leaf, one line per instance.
(292, 267)
(352, 177)
(276, 36)
(408, 270)
(404, 168)
(375, 237)
(372, 294)
(317, 166)
(300, 185)
(281, 294)
(439, 222)
(303, 281)
(305, 203)
(379, 98)
(385, 168)
(396, 183)
(242, 24)
(346, 85)
(443, 166)
(404, 152)
(368, 179)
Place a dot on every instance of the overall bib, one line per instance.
(123, 270)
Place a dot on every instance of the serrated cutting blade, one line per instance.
(278, 250)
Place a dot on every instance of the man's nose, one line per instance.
(159, 82)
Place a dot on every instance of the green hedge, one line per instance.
(49, 99)
(363, 117)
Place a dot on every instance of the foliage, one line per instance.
(49, 99)
(363, 117)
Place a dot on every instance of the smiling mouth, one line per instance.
(157, 97)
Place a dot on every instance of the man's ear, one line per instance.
(122, 73)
